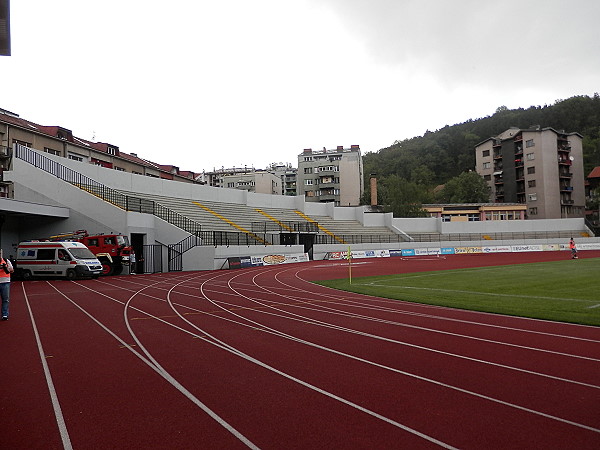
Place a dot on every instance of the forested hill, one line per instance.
(438, 156)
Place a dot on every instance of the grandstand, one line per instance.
(198, 227)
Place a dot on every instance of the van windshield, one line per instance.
(82, 253)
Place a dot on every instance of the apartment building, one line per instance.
(259, 181)
(331, 175)
(60, 141)
(539, 167)
(287, 174)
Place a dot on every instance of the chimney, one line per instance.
(373, 189)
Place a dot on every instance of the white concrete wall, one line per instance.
(518, 226)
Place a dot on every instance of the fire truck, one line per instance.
(112, 250)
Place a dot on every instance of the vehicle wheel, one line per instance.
(71, 275)
(26, 275)
(107, 267)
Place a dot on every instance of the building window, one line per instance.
(308, 158)
(309, 193)
(111, 150)
(531, 170)
(487, 165)
(52, 151)
(529, 143)
(308, 170)
(533, 211)
(485, 153)
(25, 144)
(308, 182)
(75, 157)
(230, 185)
(532, 197)
(530, 156)
(121, 169)
(531, 183)
(487, 177)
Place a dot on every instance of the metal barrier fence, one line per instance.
(285, 227)
(125, 202)
(152, 254)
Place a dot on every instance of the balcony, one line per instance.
(567, 202)
(565, 175)
(565, 161)
(566, 188)
(327, 197)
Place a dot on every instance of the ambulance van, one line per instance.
(56, 259)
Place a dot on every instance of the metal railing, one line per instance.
(284, 226)
(125, 202)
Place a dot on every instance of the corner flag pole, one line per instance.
(349, 264)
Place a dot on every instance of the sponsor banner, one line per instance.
(408, 252)
(359, 254)
(447, 251)
(465, 250)
(395, 252)
(590, 246)
(496, 249)
(265, 260)
(433, 251)
(491, 249)
(246, 261)
(421, 252)
(551, 247)
(527, 248)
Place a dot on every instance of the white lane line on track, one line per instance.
(280, 334)
(326, 308)
(224, 346)
(349, 330)
(485, 397)
(249, 358)
(60, 420)
(160, 370)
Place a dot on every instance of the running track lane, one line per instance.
(261, 357)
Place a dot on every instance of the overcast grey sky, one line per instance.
(204, 84)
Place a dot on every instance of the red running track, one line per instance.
(262, 358)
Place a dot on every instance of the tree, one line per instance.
(468, 187)
(404, 198)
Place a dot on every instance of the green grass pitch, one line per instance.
(565, 291)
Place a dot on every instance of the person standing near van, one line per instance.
(6, 268)
(132, 263)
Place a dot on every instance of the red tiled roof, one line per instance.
(100, 146)
(595, 173)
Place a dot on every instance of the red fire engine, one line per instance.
(112, 250)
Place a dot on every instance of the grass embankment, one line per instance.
(566, 291)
